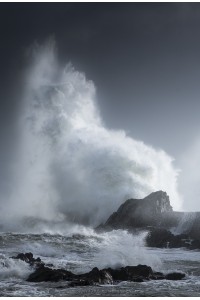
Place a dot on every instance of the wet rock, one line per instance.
(137, 279)
(194, 244)
(80, 282)
(98, 276)
(28, 258)
(46, 274)
(175, 276)
(131, 273)
(138, 273)
(158, 276)
(162, 238)
(167, 228)
(140, 213)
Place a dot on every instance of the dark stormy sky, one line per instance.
(144, 59)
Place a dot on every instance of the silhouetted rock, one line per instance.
(46, 274)
(175, 276)
(98, 276)
(138, 273)
(158, 276)
(140, 213)
(162, 238)
(80, 282)
(167, 229)
(194, 244)
(131, 273)
(28, 257)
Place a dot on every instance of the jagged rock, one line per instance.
(138, 273)
(140, 213)
(28, 257)
(98, 276)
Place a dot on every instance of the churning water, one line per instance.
(80, 252)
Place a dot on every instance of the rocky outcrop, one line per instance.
(162, 238)
(167, 228)
(138, 213)
(138, 273)
(28, 258)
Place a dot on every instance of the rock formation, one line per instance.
(154, 213)
(138, 273)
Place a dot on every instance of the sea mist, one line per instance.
(68, 165)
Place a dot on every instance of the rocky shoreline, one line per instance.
(154, 214)
(110, 276)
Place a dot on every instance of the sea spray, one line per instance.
(68, 165)
(11, 268)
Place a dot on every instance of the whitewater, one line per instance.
(68, 173)
(67, 165)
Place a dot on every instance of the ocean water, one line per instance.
(82, 249)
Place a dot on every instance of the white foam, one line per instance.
(13, 268)
(119, 248)
(68, 164)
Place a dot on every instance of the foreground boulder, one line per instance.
(138, 273)
(47, 274)
(97, 276)
(131, 273)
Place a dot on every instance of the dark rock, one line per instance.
(98, 276)
(175, 276)
(131, 273)
(80, 282)
(158, 276)
(140, 213)
(162, 238)
(159, 238)
(46, 274)
(154, 213)
(138, 273)
(28, 258)
(194, 244)
(137, 279)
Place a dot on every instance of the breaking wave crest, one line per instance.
(68, 165)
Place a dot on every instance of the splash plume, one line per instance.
(68, 164)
